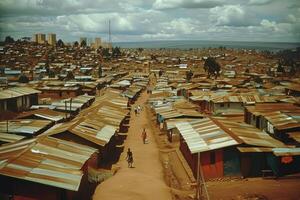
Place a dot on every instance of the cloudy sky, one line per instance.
(144, 20)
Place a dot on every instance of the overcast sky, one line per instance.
(143, 20)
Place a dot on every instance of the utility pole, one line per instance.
(198, 188)
(201, 190)
(109, 32)
(7, 126)
(66, 110)
(71, 105)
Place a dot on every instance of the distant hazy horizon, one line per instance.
(185, 44)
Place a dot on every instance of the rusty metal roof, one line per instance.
(295, 135)
(204, 135)
(209, 133)
(45, 160)
(45, 114)
(271, 107)
(281, 121)
(248, 134)
(9, 138)
(17, 92)
(29, 126)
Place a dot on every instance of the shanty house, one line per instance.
(232, 103)
(18, 98)
(279, 119)
(88, 132)
(45, 167)
(59, 92)
(25, 127)
(216, 141)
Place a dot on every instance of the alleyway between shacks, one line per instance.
(146, 179)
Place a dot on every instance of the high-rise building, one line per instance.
(35, 38)
(40, 38)
(97, 43)
(52, 39)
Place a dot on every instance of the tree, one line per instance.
(60, 43)
(105, 53)
(9, 39)
(116, 52)
(212, 67)
(23, 78)
(70, 76)
(83, 43)
(76, 44)
(140, 50)
(189, 75)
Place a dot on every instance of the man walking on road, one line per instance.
(144, 136)
(129, 158)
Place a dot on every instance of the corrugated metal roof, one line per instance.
(295, 135)
(29, 126)
(171, 123)
(254, 149)
(271, 107)
(6, 137)
(17, 92)
(280, 120)
(286, 151)
(207, 134)
(45, 160)
(242, 98)
(204, 135)
(248, 134)
(45, 114)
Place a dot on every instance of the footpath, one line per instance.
(146, 179)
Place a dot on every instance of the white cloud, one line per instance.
(269, 24)
(259, 2)
(181, 26)
(96, 22)
(229, 15)
(135, 20)
(167, 4)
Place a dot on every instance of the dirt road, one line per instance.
(146, 179)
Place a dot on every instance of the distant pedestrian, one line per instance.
(139, 109)
(129, 158)
(135, 111)
(144, 136)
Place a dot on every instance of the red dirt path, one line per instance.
(146, 179)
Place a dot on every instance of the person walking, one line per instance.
(144, 136)
(129, 158)
(135, 111)
(139, 109)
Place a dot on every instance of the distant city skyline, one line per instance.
(134, 20)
